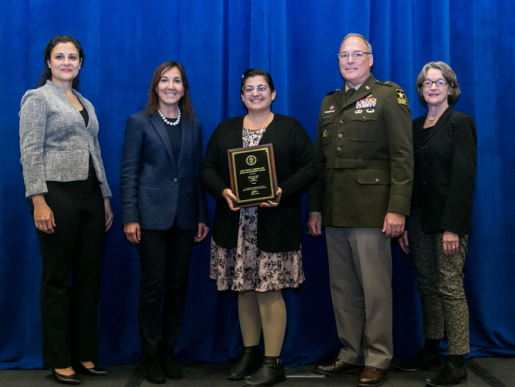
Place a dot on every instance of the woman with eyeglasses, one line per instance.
(163, 211)
(256, 251)
(440, 222)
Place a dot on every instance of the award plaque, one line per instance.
(253, 177)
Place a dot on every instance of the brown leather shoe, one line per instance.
(336, 367)
(371, 377)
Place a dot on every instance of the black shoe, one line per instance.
(421, 362)
(170, 367)
(271, 372)
(248, 364)
(153, 370)
(95, 371)
(72, 379)
(448, 376)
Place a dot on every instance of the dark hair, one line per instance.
(256, 73)
(449, 76)
(47, 74)
(184, 103)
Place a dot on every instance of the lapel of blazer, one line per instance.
(441, 122)
(85, 105)
(187, 129)
(159, 127)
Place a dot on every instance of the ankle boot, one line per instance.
(170, 367)
(270, 373)
(153, 370)
(248, 364)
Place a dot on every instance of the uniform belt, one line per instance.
(361, 163)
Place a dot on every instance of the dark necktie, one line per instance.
(349, 94)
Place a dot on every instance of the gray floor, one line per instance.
(496, 372)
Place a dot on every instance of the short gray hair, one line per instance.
(449, 76)
(367, 43)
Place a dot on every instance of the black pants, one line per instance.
(165, 260)
(69, 310)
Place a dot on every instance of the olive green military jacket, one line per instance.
(364, 156)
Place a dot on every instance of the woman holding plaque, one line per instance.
(440, 222)
(256, 251)
(163, 211)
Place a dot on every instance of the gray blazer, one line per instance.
(54, 142)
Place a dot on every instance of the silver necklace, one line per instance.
(170, 122)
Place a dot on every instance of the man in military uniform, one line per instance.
(364, 155)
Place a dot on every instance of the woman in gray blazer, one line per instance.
(66, 184)
(163, 210)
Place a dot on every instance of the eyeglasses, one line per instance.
(439, 82)
(354, 55)
(261, 89)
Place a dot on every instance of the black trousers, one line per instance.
(165, 260)
(69, 309)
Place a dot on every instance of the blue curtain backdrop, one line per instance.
(296, 41)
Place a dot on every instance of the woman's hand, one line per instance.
(404, 243)
(275, 202)
(109, 213)
(43, 215)
(230, 199)
(450, 243)
(202, 232)
(132, 232)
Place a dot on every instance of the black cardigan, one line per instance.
(445, 169)
(279, 228)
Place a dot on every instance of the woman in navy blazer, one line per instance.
(163, 210)
(445, 145)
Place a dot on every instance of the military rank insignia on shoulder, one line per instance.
(401, 97)
(384, 83)
(333, 92)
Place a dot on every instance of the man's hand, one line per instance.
(393, 224)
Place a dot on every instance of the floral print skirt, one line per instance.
(246, 267)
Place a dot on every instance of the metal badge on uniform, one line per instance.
(330, 111)
(401, 97)
(324, 134)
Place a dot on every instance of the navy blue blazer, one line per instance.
(154, 190)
